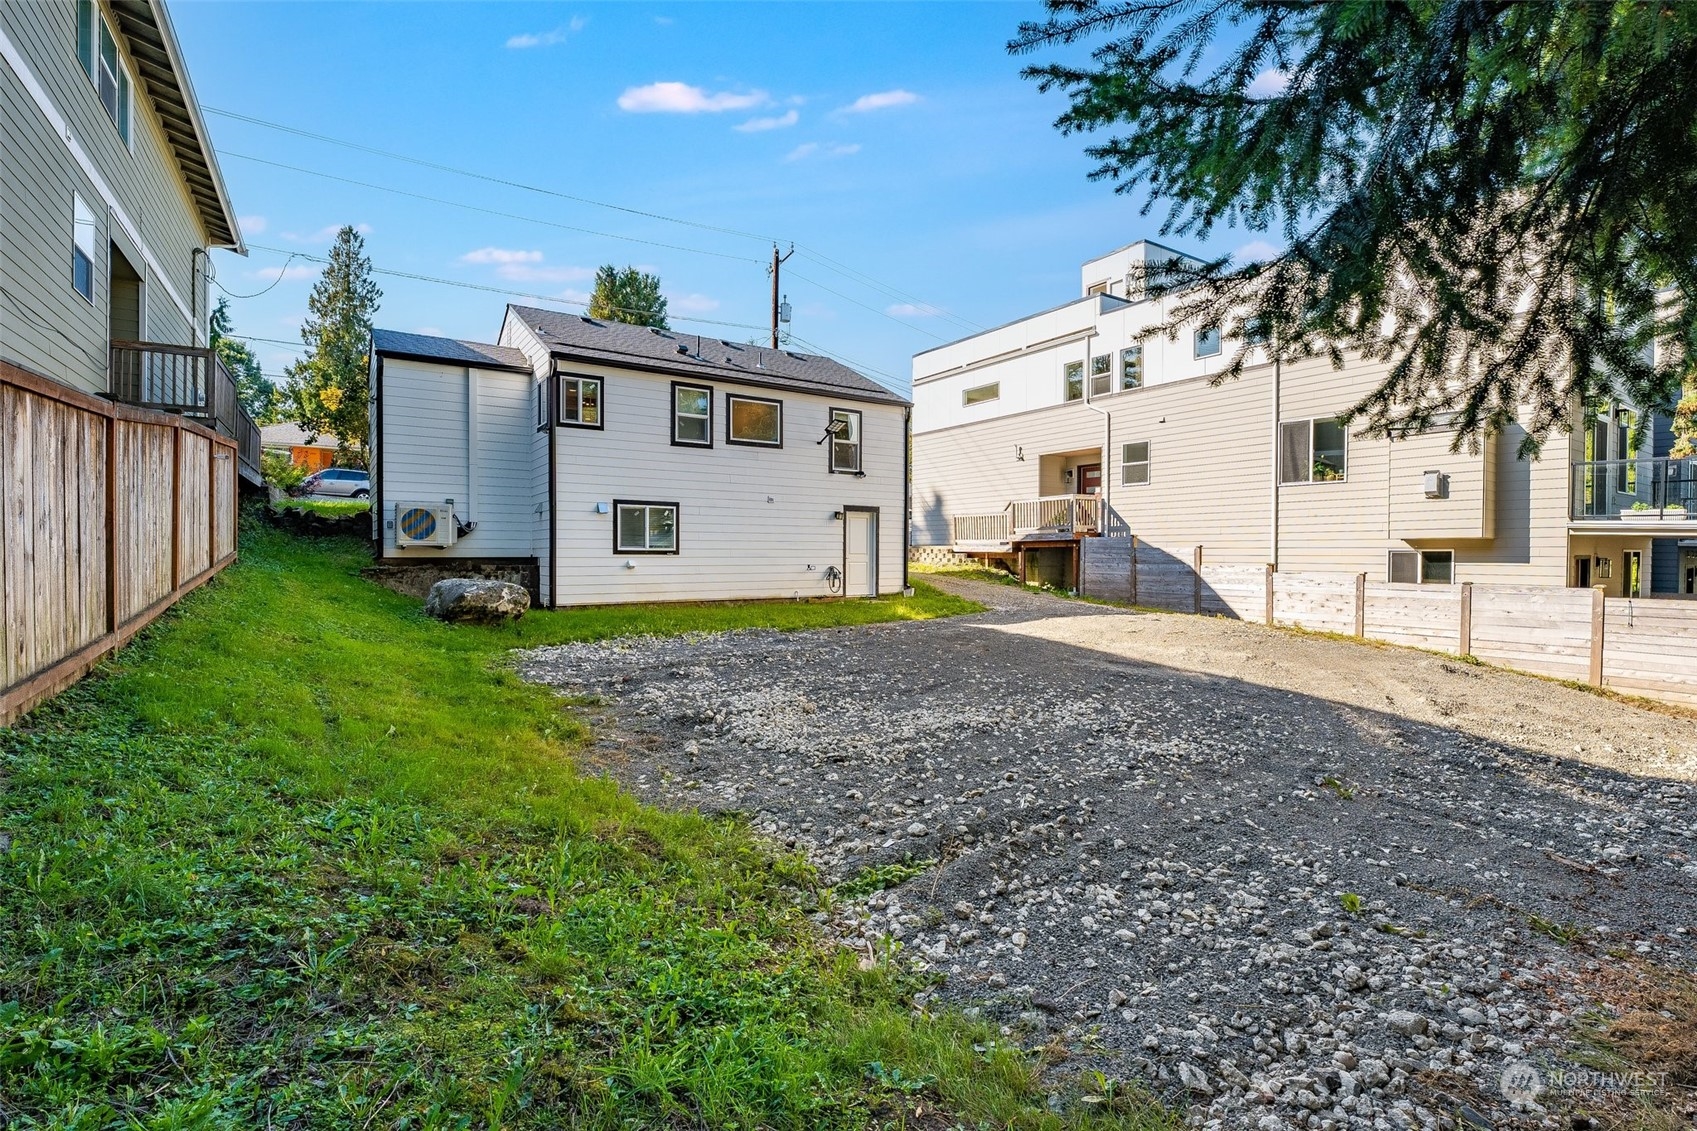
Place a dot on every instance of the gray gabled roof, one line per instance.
(576, 337)
(450, 351)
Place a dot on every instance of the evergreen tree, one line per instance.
(628, 296)
(258, 393)
(1494, 197)
(330, 389)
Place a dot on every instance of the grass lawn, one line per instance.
(303, 858)
(329, 508)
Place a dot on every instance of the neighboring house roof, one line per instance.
(159, 61)
(579, 338)
(288, 434)
(424, 347)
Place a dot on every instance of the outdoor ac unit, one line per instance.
(424, 524)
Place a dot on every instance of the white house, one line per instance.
(620, 463)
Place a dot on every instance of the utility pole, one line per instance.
(777, 262)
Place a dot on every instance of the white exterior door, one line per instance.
(860, 553)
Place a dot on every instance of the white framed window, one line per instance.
(1207, 343)
(692, 415)
(1131, 367)
(845, 440)
(541, 405)
(1313, 451)
(645, 528)
(981, 394)
(83, 242)
(1072, 380)
(97, 50)
(1421, 567)
(1096, 289)
(1134, 463)
(1101, 374)
(754, 420)
(580, 401)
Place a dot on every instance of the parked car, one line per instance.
(348, 482)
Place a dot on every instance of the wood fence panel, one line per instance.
(194, 502)
(1106, 568)
(1319, 602)
(1420, 616)
(1164, 582)
(1539, 629)
(1650, 648)
(1235, 591)
(79, 522)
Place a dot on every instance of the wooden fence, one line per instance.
(1640, 646)
(108, 514)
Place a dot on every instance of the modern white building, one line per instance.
(1066, 424)
(620, 463)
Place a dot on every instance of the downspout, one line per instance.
(376, 453)
(553, 500)
(1273, 489)
(907, 493)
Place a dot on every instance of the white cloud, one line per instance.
(692, 304)
(580, 298)
(1256, 250)
(548, 38)
(814, 149)
(293, 272)
(911, 310)
(756, 125)
(681, 98)
(1268, 83)
(324, 234)
(524, 266)
(252, 225)
(432, 331)
(882, 100)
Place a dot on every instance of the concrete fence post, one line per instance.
(1466, 640)
(1360, 606)
(1597, 606)
(1196, 580)
(1269, 584)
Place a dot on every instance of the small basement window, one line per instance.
(845, 441)
(1131, 367)
(1313, 451)
(692, 415)
(645, 528)
(1073, 380)
(580, 401)
(1134, 463)
(1422, 567)
(981, 394)
(754, 420)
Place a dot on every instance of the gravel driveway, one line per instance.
(1289, 880)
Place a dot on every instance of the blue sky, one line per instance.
(895, 144)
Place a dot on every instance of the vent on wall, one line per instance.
(424, 524)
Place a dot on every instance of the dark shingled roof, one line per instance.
(478, 355)
(616, 343)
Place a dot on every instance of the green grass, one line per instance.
(968, 573)
(304, 858)
(329, 508)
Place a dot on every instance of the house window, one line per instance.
(645, 528)
(1096, 289)
(1422, 567)
(1312, 451)
(1134, 463)
(580, 401)
(692, 415)
(541, 405)
(1208, 341)
(1100, 374)
(1131, 367)
(845, 440)
(97, 50)
(754, 420)
(1074, 374)
(1634, 578)
(82, 247)
(979, 394)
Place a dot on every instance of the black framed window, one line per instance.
(692, 415)
(580, 401)
(645, 528)
(754, 420)
(845, 440)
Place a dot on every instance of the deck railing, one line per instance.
(1052, 514)
(1629, 489)
(190, 381)
(996, 527)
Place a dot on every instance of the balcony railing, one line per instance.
(1050, 515)
(191, 381)
(1630, 490)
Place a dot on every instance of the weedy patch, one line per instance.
(1644, 1045)
(875, 879)
(1565, 933)
(1337, 786)
(1351, 902)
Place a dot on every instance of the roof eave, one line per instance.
(757, 379)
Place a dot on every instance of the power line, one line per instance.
(480, 208)
(868, 281)
(866, 306)
(281, 272)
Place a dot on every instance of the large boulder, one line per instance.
(471, 600)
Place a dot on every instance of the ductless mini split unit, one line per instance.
(424, 524)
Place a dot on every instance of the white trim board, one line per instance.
(15, 59)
